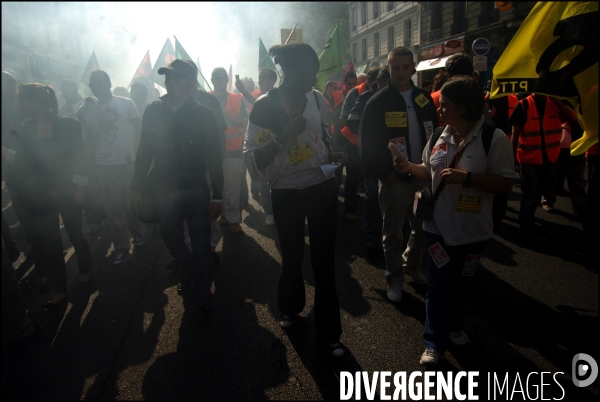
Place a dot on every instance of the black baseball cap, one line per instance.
(181, 67)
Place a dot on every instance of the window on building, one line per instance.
(376, 45)
(390, 5)
(354, 19)
(375, 9)
(364, 49)
(408, 32)
(363, 13)
(460, 11)
(354, 52)
(391, 40)
(436, 15)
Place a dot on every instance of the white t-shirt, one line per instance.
(461, 214)
(116, 147)
(414, 131)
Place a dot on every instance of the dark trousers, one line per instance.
(373, 217)
(353, 171)
(189, 205)
(317, 204)
(571, 167)
(94, 209)
(534, 179)
(73, 221)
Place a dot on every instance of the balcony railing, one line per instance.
(432, 36)
(487, 18)
(458, 27)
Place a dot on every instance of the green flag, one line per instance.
(180, 52)
(330, 59)
(264, 60)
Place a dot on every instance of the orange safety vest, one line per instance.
(338, 97)
(346, 132)
(233, 135)
(530, 140)
(512, 104)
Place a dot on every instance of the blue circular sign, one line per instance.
(481, 46)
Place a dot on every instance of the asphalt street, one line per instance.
(532, 309)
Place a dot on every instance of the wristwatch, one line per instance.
(467, 182)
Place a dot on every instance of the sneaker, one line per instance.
(429, 358)
(336, 349)
(351, 217)
(416, 275)
(223, 221)
(15, 226)
(138, 243)
(286, 321)
(236, 228)
(120, 259)
(548, 208)
(458, 338)
(270, 220)
(202, 315)
(394, 292)
(183, 287)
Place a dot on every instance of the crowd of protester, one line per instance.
(124, 161)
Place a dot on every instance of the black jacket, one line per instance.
(375, 134)
(183, 146)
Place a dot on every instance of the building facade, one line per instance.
(433, 31)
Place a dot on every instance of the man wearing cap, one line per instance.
(181, 137)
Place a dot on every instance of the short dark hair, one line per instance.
(463, 91)
(373, 73)
(459, 64)
(401, 51)
(383, 75)
(297, 57)
(425, 84)
(329, 84)
(271, 72)
(102, 73)
(350, 74)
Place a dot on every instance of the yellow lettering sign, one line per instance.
(421, 100)
(263, 137)
(396, 119)
(467, 204)
(300, 154)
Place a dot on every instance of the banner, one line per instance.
(555, 52)
(166, 56)
(264, 60)
(340, 84)
(330, 59)
(92, 65)
(144, 70)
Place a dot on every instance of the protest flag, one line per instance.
(145, 68)
(201, 79)
(92, 65)
(264, 60)
(555, 53)
(330, 59)
(167, 55)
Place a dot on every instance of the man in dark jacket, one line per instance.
(182, 138)
(404, 115)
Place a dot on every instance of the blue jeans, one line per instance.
(373, 218)
(447, 287)
(190, 205)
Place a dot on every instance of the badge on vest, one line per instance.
(467, 204)
(421, 100)
(428, 128)
(471, 264)
(438, 255)
(300, 154)
(396, 119)
(263, 137)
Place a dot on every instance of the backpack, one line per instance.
(500, 203)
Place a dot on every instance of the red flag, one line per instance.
(145, 68)
(350, 67)
(92, 65)
(229, 86)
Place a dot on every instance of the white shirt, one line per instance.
(414, 132)
(116, 147)
(461, 214)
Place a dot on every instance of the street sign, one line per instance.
(481, 46)
(480, 66)
(479, 59)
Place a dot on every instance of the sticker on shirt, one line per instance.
(300, 154)
(319, 145)
(421, 100)
(438, 254)
(400, 143)
(471, 264)
(428, 129)
(396, 119)
(467, 204)
(263, 137)
(438, 157)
